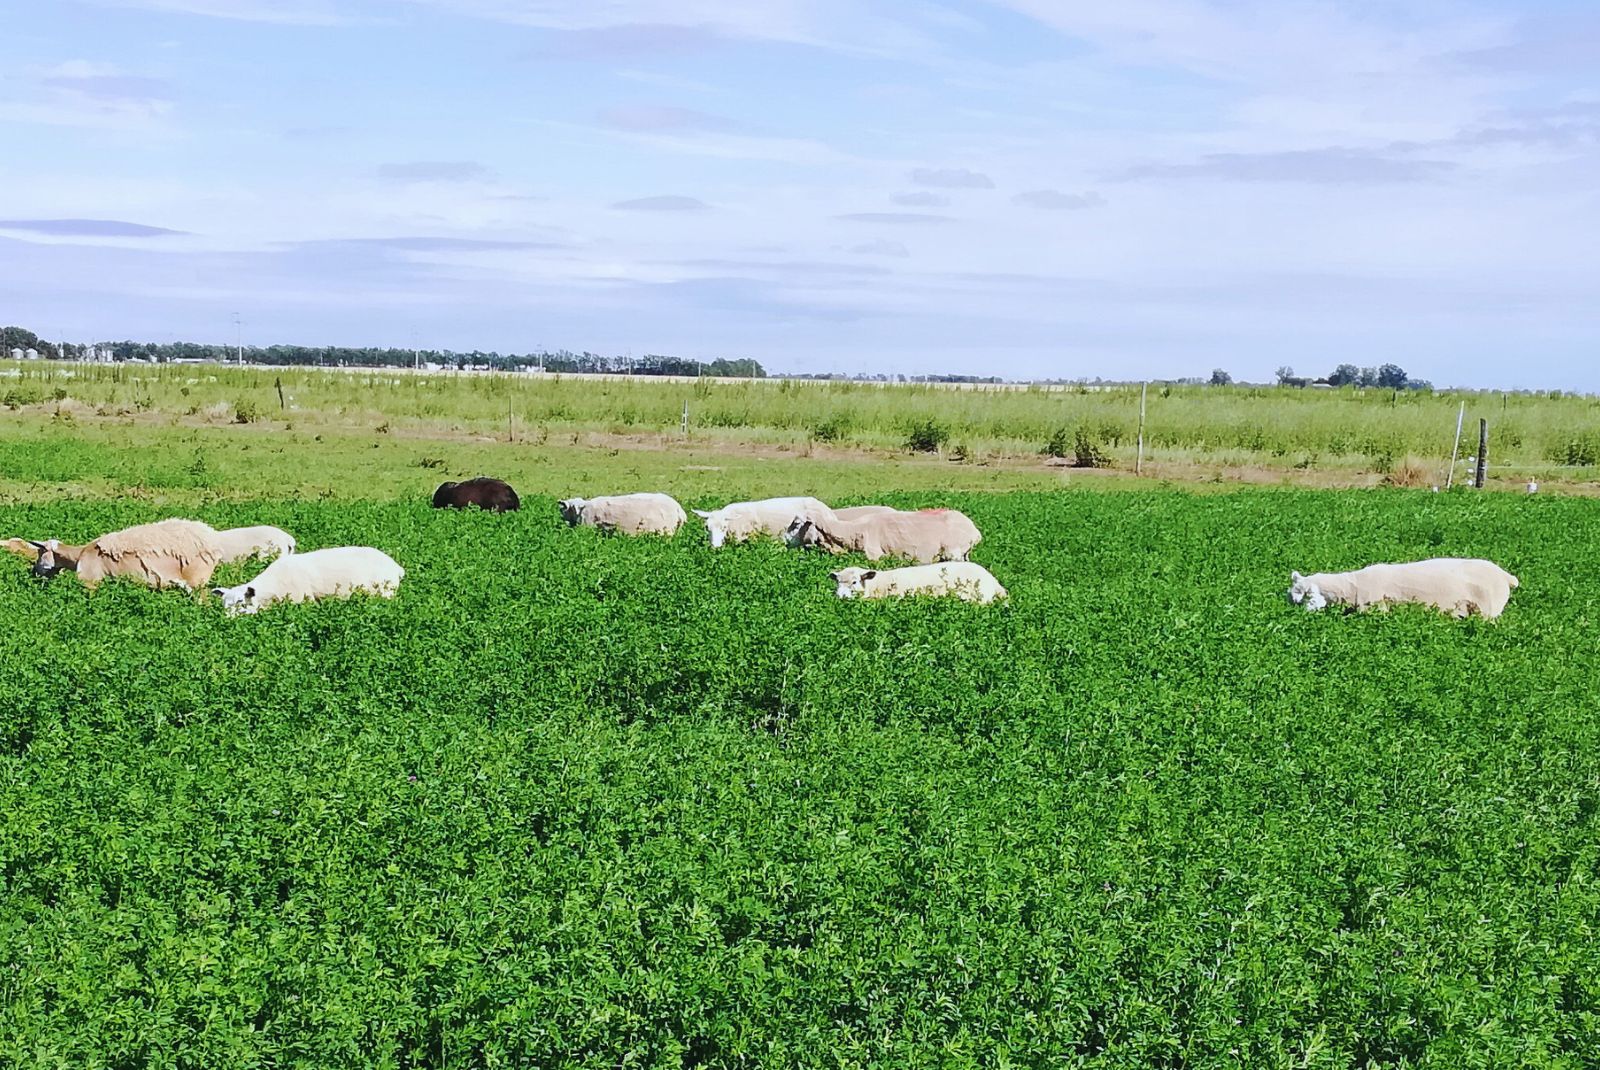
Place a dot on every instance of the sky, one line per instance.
(1022, 188)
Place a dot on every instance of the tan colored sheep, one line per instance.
(22, 548)
(644, 513)
(1457, 585)
(740, 521)
(169, 553)
(927, 535)
(963, 579)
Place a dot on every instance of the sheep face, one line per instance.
(571, 510)
(237, 600)
(48, 563)
(716, 526)
(1302, 592)
(852, 582)
(802, 533)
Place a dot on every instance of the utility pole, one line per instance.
(238, 337)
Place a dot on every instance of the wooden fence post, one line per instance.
(1483, 453)
(1138, 462)
(278, 382)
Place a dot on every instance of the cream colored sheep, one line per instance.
(963, 579)
(861, 512)
(740, 521)
(927, 535)
(169, 553)
(1457, 585)
(264, 541)
(643, 513)
(334, 573)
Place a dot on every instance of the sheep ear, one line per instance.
(703, 514)
(867, 575)
(834, 576)
(249, 594)
(1295, 577)
(218, 591)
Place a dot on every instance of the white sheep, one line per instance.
(643, 513)
(168, 553)
(739, 521)
(334, 573)
(1457, 585)
(964, 579)
(263, 541)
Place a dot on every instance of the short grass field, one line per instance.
(578, 801)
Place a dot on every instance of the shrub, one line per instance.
(1087, 451)
(245, 412)
(927, 436)
(1580, 449)
(1059, 444)
(836, 428)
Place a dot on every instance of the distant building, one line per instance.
(15, 354)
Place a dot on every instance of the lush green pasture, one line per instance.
(578, 801)
(1368, 429)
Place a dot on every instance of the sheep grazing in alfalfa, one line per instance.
(1459, 586)
(263, 541)
(643, 513)
(169, 553)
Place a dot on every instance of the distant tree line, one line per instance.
(1384, 376)
(18, 338)
(379, 357)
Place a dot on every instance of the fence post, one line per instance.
(278, 382)
(685, 417)
(1138, 462)
(1455, 450)
(1483, 453)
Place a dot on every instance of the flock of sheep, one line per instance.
(184, 554)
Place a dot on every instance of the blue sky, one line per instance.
(1023, 187)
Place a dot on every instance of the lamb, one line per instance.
(335, 573)
(643, 513)
(487, 493)
(263, 541)
(1457, 585)
(169, 553)
(926, 536)
(740, 521)
(964, 579)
